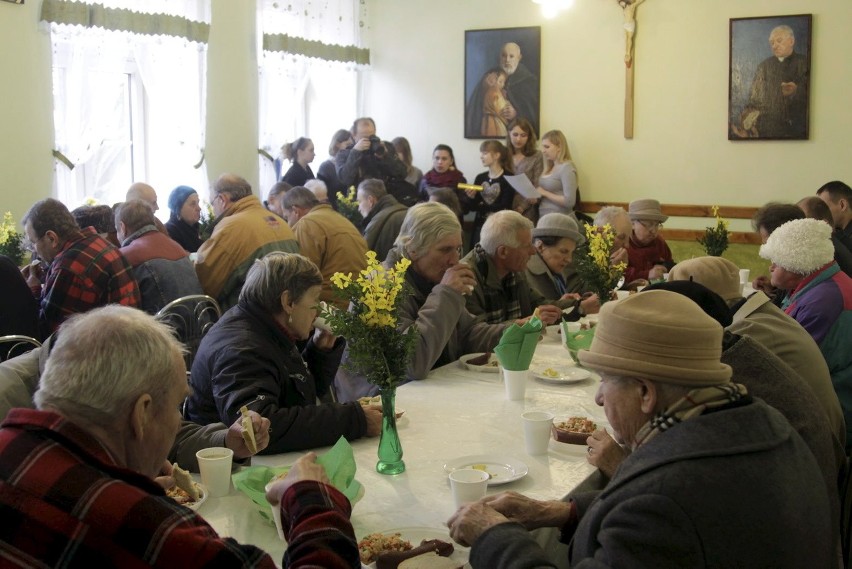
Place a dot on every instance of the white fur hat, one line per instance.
(800, 246)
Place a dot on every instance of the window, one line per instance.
(128, 106)
(308, 85)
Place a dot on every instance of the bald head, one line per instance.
(510, 57)
(144, 192)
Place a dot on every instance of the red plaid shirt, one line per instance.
(87, 273)
(64, 502)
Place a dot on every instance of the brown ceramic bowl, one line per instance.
(570, 437)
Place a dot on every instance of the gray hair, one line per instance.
(786, 30)
(232, 186)
(299, 196)
(276, 272)
(607, 214)
(318, 187)
(135, 215)
(501, 228)
(126, 353)
(373, 187)
(424, 225)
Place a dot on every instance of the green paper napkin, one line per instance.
(339, 464)
(576, 341)
(517, 345)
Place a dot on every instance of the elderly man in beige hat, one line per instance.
(648, 255)
(712, 472)
(758, 318)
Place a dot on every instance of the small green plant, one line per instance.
(207, 221)
(11, 240)
(715, 240)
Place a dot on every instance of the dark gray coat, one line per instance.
(733, 488)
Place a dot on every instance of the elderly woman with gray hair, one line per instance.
(550, 271)
(431, 238)
(250, 357)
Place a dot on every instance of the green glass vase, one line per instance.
(390, 449)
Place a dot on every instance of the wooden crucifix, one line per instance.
(629, 8)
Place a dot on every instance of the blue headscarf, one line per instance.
(177, 198)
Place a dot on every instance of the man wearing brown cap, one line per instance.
(758, 318)
(648, 255)
(712, 472)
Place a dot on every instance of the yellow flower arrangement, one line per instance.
(593, 264)
(715, 240)
(347, 206)
(377, 349)
(11, 240)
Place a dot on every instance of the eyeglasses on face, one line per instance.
(651, 225)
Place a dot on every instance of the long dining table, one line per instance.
(452, 414)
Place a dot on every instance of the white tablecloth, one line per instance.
(453, 413)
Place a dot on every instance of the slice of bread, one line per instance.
(184, 481)
(248, 430)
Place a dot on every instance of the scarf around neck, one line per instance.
(690, 405)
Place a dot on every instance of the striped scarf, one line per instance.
(691, 405)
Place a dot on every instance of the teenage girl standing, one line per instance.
(497, 194)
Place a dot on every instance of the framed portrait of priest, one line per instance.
(502, 68)
(769, 82)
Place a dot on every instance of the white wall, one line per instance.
(26, 109)
(680, 152)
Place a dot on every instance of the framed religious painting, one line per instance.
(769, 81)
(502, 68)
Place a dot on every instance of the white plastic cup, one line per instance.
(537, 426)
(516, 384)
(666, 277)
(468, 485)
(744, 273)
(215, 466)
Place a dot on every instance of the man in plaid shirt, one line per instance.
(85, 271)
(502, 292)
(76, 475)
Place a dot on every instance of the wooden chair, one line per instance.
(14, 345)
(191, 317)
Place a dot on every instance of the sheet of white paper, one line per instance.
(523, 186)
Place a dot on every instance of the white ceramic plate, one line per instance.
(490, 368)
(503, 469)
(417, 534)
(561, 374)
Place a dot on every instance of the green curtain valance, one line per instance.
(313, 48)
(97, 16)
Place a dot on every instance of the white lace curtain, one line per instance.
(103, 52)
(312, 52)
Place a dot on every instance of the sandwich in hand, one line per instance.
(248, 430)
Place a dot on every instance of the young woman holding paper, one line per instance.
(526, 159)
(558, 183)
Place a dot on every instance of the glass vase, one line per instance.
(390, 449)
